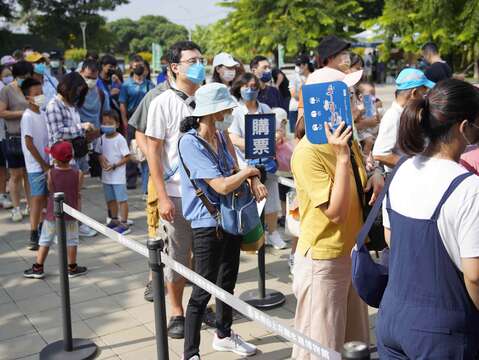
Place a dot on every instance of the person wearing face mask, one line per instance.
(216, 251)
(12, 105)
(5, 79)
(34, 141)
(246, 90)
(41, 73)
(302, 69)
(410, 84)
(57, 68)
(131, 93)
(106, 81)
(163, 132)
(163, 75)
(269, 95)
(224, 69)
(432, 207)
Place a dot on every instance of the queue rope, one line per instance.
(242, 307)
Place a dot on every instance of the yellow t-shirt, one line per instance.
(313, 168)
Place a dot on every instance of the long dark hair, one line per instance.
(431, 117)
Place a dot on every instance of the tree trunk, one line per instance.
(476, 61)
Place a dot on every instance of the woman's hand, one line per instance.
(252, 172)
(259, 189)
(376, 182)
(339, 140)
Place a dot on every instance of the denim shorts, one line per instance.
(115, 192)
(38, 183)
(49, 233)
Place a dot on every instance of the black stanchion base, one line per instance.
(83, 349)
(271, 300)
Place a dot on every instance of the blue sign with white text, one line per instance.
(260, 133)
(325, 102)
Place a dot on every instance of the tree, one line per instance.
(7, 9)
(60, 20)
(258, 26)
(136, 36)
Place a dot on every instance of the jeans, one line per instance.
(145, 173)
(218, 261)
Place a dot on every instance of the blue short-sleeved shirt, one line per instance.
(132, 92)
(90, 111)
(202, 165)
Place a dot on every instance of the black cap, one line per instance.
(331, 45)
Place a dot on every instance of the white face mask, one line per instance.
(7, 79)
(40, 100)
(91, 83)
(228, 75)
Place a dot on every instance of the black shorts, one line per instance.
(283, 190)
(13, 162)
(3, 161)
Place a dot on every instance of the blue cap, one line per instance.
(411, 78)
(212, 98)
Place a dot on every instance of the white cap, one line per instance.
(327, 74)
(224, 59)
(46, 55)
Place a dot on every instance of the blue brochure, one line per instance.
(369, 108)
(325, 102)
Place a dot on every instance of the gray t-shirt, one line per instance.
(12, 96)
(139, 118)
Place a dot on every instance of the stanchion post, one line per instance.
(356, 350)
(158, 282)
(68, 348)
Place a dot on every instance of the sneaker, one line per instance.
(291, 263)
(275, 241)
(194, 357)
(112, 224)
(86, 231)
(234, 343)
(148, 294)
(176, 327)
(26, 211)
(76, 270)
(35, 272)
(17, 215)
(123, 229)
(128, 222)
(5, 202)
(33, 240)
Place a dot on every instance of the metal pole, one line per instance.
(355, 350)
(261, 268)
(64, 283)
(156, 266)
(83, 28)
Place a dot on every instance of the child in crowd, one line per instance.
(61, 178)
(34, 139)
(114, 154)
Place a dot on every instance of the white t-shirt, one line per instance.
(237, 127)
(388, 133)
(35, 126)
(416, 190)
(165, 114)
(114, 149)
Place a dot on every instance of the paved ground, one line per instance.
(107, 303)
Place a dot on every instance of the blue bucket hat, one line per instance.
(212, 98)
(411, 78)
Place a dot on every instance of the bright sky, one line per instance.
(185, 12)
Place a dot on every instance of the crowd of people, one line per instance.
(186, 137)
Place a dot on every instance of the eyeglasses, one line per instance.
(194, 61)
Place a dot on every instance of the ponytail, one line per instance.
(411, 136)
(188, 123)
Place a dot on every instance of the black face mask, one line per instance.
(139, 70)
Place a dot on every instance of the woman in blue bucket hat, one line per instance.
(208, 169)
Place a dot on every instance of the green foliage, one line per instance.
(75, 54)
(60, 20)
(452, 24)
(136, 36)
(258, 26)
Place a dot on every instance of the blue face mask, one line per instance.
(196, 73)
(108, 129)
(20, 81)
(249, 94)
(39, 68)
(266, 77)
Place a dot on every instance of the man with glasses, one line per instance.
(165, 113)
